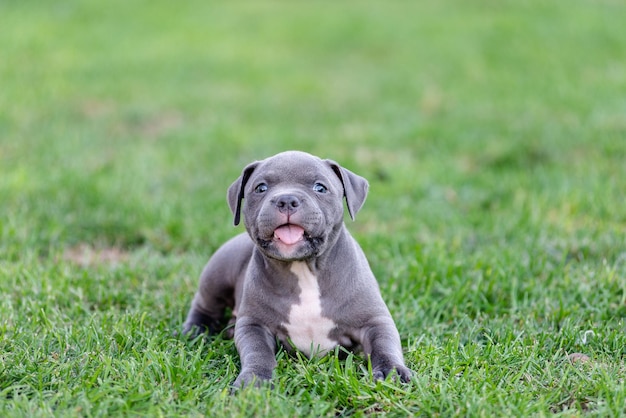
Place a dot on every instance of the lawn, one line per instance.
(493, 134)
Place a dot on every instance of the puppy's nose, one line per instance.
(287, 204)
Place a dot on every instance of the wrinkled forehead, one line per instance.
(296, 168)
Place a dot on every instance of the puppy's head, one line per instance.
(292, 203)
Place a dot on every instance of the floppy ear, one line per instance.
(354, 187)
(235, 191)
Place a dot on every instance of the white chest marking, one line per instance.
(307, 328)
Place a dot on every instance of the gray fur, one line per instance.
(252, 273)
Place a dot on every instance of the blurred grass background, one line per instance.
(493, 134)
(133, 111)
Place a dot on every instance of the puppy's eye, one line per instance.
(320, 188)
(261, 188)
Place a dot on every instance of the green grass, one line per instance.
(494, 138)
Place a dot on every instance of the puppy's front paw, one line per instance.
(404, 373)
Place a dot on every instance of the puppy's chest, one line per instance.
(307, 328)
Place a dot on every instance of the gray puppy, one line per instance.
(297, 277)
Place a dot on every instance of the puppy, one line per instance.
(297, 277)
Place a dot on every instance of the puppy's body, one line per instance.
(297, 276)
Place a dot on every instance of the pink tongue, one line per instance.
(289, 234)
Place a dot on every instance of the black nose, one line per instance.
(287, 203)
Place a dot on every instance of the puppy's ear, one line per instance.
(235, 191)
(354, 187)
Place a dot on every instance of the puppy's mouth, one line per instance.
(291, 242)
(289, 234)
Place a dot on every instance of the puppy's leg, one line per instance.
(208, 307)
(220, 287)
(381, 343)
(257, 351)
